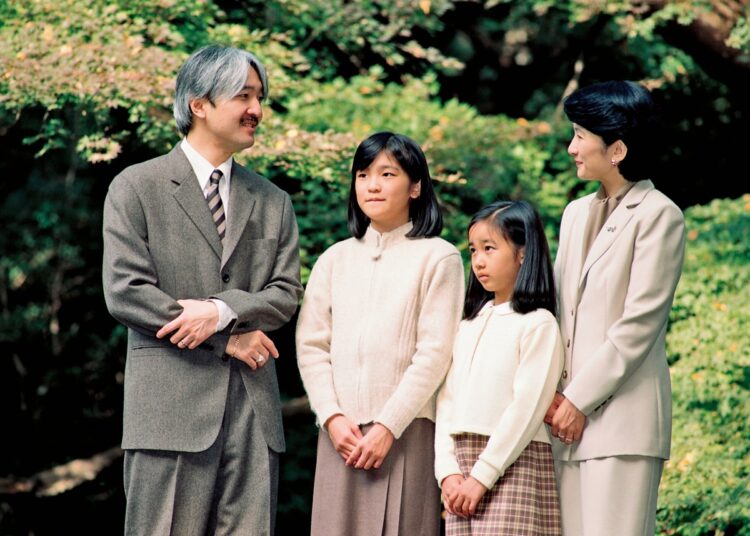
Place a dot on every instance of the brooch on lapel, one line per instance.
(611, 229)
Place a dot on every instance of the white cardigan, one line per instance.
(376, 328)
(504, 373)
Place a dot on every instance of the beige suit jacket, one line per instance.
(614, 306)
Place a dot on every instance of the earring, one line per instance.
(613, 162)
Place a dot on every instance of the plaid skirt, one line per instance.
(523, 502)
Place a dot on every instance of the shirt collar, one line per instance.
(601, 196)
(499, 309)
(202, 167)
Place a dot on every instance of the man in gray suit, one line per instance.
(200, 260)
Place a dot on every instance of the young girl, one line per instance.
(373, 345)
(493, 458)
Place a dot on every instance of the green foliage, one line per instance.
(705, 485)
(335, 32)
(739, 38)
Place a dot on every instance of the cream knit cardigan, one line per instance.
(505, 370)
(376, 328)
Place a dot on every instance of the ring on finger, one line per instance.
(260, 359)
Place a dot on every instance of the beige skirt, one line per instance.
(401, 498)
(523, 502)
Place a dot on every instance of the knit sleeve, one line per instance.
(314, 341)
(438, 319)
(446, 463)
(539, 368)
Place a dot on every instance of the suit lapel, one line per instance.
(613, 227)
(575, 252)
(241, 204)
(190, 198)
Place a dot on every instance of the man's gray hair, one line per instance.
(214, 73)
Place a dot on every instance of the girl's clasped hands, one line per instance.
(461, 495)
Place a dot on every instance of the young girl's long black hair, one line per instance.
(424, 212)
(519, 223)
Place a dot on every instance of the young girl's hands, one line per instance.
(372, 449)
(344, 434)
(469, 494)
(450, 487)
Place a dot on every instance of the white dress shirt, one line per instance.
(203, 169)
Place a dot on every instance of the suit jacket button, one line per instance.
(565, 374)
(225, 278)
(568, 344)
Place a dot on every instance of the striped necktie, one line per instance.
(215, 205)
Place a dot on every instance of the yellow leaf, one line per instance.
(48, 34)
(685, 462)
(425, 6)
(543, 127)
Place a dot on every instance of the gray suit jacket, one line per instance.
(161, 245)
(613, 307)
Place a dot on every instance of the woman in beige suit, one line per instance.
(619, 260)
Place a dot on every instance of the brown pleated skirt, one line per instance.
(401, 498)
(523, 502)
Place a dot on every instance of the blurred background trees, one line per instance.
(86, 89)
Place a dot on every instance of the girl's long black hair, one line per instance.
(519, 223)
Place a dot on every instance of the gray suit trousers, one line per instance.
(230, 488)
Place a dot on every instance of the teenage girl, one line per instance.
(373, 344)
(493, 456)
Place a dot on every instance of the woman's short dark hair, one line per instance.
(520, 225)
(619, 110)
(424, 212)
